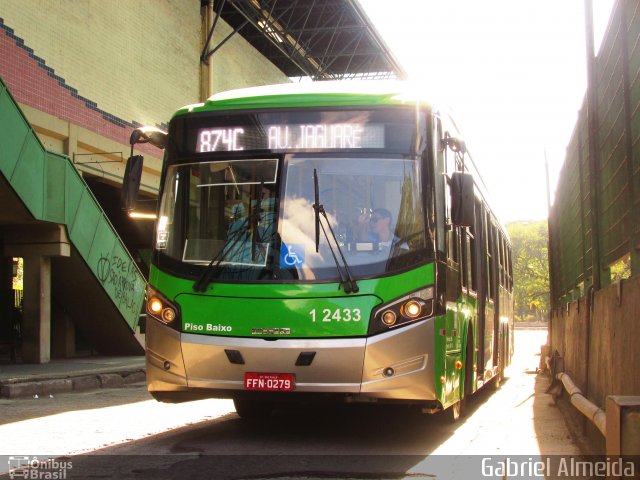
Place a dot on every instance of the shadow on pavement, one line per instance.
(16, 410)
(347, 441)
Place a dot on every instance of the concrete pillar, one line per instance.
(36, 324)
(36, 244)
(71, 142)
(623, 426)
(6, 304)
(63, 335)
(6, 297)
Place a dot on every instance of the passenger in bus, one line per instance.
(238, 217)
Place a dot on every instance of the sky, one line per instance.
(514, 74)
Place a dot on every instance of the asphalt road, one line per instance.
(121, 433)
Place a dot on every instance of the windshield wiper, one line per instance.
(349, 284)
(207, 275)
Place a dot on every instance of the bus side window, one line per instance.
(496, 248)
(473, 260)
(501, 259)
(464, 258)
(453, 245)
(493, 249)
(473, 248)
(486, 228)
(505, 250)
(510, 269)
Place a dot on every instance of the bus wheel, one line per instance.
(251, 409)
(455, 411)
(496, 381)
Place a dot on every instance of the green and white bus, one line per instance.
(322, 241)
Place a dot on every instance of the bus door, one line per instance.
(486, 290)
(490, 306)
(481, 260)
(493, 279)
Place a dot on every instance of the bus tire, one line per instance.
(496, 381)
(252, 409)
(455, 411)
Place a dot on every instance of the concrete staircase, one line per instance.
(98, 285)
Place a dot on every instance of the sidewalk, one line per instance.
(67, 375)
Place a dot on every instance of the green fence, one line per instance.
(594, 225)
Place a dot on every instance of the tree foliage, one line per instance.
(18, 273)
(529, 242)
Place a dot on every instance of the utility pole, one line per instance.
(206, 16)
(594, 153)
(550, 231)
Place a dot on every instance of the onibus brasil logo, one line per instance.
(33, 468)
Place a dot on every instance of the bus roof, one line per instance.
(311, 94)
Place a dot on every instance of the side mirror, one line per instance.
(456, 144)
(131, 183)
(133, 171)
(152, 135)
(462, 199)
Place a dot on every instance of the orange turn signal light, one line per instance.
(168, 314)
(389, 318)
(155, 305)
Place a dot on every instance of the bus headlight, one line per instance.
(161, 309)
(410, 308)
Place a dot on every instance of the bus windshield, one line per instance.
(222, 211)
(373, 205)
(233, 212)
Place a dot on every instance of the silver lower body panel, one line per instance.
(396, 365)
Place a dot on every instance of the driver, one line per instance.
(375, 227)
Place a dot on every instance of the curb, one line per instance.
(71, 384)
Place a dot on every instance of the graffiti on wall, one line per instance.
(120, 275)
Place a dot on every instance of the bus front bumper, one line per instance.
(396, 365)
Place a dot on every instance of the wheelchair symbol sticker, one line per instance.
(292, 256)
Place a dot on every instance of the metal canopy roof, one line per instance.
(321, 39)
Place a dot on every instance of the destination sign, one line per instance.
(310, 136)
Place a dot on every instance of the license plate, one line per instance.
(272, 382)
